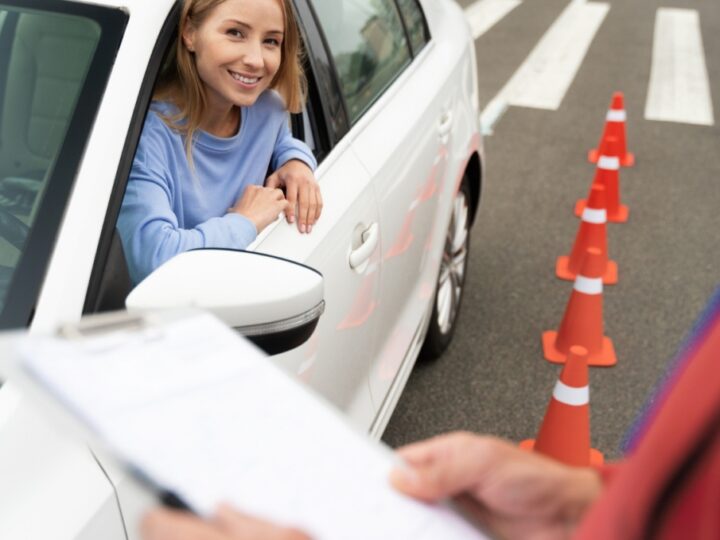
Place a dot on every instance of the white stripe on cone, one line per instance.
(608, 163)
(598, 216)
(588, 285)
(570, 395)
(616, 115)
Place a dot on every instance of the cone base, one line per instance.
(596, 457)
(605, 358)
(562, 271)
(627, 161)
(621, 216)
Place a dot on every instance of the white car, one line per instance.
(393, 118)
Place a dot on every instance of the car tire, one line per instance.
(451, 277)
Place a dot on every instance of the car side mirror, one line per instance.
(274, 302)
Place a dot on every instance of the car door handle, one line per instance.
(445, 123)
(362, 253)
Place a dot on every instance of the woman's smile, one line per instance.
(245, 81)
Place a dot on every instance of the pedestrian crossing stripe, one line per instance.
(485, 14)
(543, 79)
(678, 89)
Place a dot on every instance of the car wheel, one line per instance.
(451, 277)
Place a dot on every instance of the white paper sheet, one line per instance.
(203, 413)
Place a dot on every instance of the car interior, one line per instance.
(43, 61)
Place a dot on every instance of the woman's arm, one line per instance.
(149, 227)
(293, 164)
(150, 231)
(288, 148)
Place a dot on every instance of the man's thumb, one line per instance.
(444, 466)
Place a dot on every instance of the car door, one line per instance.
(401, 108)
(344, 246)
(57, 62)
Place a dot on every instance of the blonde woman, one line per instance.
(218, 121)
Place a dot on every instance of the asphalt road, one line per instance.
(493, 378)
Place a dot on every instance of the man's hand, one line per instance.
(163, 524)
(516, 494)
(301, 190)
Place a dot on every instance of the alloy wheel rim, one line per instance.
(452, 266)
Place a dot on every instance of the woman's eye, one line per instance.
(234, 32)
(273, 42)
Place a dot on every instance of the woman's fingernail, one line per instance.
(309, 229)
(302, 228)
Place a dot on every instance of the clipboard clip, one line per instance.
(107, 331)
(100, 325)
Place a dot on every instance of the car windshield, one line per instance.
(55, 58)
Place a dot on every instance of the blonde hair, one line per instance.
(180, 81)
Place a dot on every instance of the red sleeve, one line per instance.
(669, 449)
(607, 471)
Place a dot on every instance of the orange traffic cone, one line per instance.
(608, 175)
(565, 431)
(582, 323)
(615, 127)
(592, 233)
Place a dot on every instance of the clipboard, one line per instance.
(61, 418)
(303, 467)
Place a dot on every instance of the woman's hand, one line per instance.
(261, 205)
(301, 190)
(227, 524)
(515, 493)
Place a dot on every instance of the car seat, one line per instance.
(44, 58)
(48, 60)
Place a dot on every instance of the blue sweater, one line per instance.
(169, 209)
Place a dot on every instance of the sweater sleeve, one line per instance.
(288, 147)
(149, 228)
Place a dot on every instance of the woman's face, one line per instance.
(237, 50)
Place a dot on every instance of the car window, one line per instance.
(309, 125)
(110, 283)
(368, 44)
(414, 23)
(46, 67)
